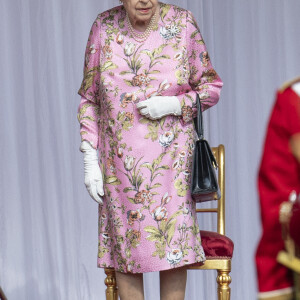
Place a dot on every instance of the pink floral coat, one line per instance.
(147, 222)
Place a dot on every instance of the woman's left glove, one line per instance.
(92, 173)
(159, 106)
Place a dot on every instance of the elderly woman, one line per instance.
(142, 72)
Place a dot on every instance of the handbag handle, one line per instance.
(198, 120)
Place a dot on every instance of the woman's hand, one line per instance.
(92, 174)
(159, 106)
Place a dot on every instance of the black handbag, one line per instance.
(204, 185)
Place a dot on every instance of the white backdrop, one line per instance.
(48, 224)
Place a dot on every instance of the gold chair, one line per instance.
(217, 247)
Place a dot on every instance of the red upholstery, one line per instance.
(295, 224)
(216, 245)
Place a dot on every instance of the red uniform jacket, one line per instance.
(279, 174)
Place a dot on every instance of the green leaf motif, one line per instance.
(143, 120)
(165, 56)
(181, 187)
(158, 160)
(153, 132)
(128, 252)
(160, 250)
(195, 230)
(162, 225)
(148, 52)
(88, 81)
(175, 215)
(89, 118)
(108, 65)
(121, 23)
(179, 77)
(147, 165)
(190, 97)
(164, 167)
(131, 200)
(127, 189)
(178, 183)
(128, 82)
(159, 50)
(200, 42)
(83, 109)
(165, 9)
(194, 34)
(113, 180)
(156, 185)
(125, 72)
(154, 72)
(102, 251)
(126, 125)
(181, 192)
(119, 135)
(154, 237)
(170, 230)
(152, 229)
(162, 122)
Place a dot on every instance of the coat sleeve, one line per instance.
(88, 110)
(203, 79)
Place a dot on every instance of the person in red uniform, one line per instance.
(279, 175)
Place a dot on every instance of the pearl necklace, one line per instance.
(141, 37)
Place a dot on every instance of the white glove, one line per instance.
(92, 174)
(159, 106)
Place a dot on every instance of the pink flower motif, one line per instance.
(166, 198)
(120, 152)
(182, 153)
(120, 38)
(166, 139)
(129, 49)
(92, 49)
(140, 80)
(159, 213)
(174, 257)
(129, 268)
(129, 162)
(175, 164)
(127, 98)
(134, 215)
(164, 85)
(107, 51)
(142, 196)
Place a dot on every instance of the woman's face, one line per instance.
(140, 11)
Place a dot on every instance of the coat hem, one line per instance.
(154, 269)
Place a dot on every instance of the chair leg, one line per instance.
(110, 282)
(223, 281)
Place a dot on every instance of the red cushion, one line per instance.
(216, 245)
(295, 224)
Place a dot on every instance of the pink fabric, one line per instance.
(148, 221)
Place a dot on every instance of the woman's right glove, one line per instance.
(92, 174)
(159, 106)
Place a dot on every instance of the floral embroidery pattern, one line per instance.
(147, 222)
